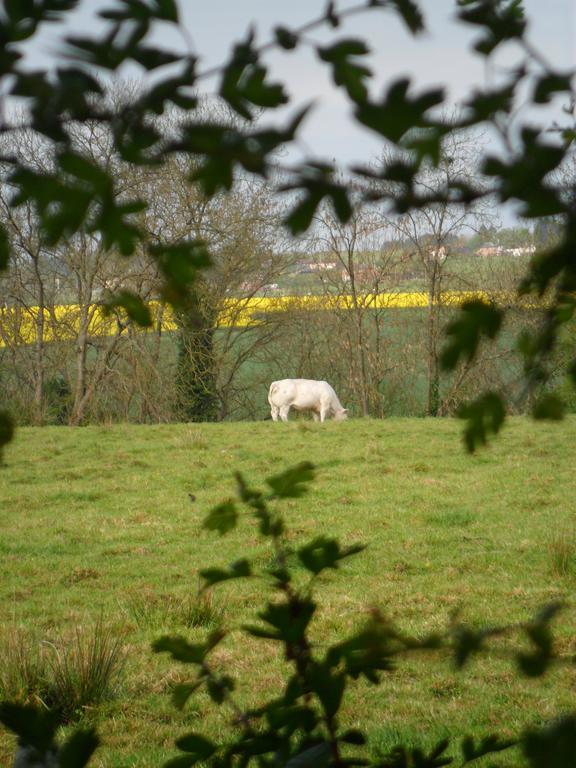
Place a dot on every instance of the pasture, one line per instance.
(97, 525)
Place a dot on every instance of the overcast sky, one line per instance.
(441, 56)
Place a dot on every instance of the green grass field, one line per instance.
(97, 524)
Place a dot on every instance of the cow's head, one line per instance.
(341, 414)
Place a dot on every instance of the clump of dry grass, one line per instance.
(85, 672)
(67, 677)
(24, 669)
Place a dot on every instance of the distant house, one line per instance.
(249, 286)
(439, 254)
(526, 250)
(322, 266)
(363, 276)
(490, 250)
(498, 250)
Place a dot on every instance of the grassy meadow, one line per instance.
(98, 526)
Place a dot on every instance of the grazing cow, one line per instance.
(305, 395)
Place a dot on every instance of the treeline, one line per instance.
(381, 361)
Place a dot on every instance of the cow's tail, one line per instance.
(273, 388)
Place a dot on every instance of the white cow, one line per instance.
(305, 395)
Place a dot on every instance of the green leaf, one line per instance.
(134, 306)
(152, 58)
(485, 416)
(343, 49)
(353, 736)
(550, 84)
(318, 756)
(485, 105)
(188, 653)
(552, 746)
(369, 651)
(291, 717)
(218, 687)
(86, 170)
(411, 14)
(174, 89)
(398, 112)
(238, 570)
(32, 726)
(285, 38)
(539, 633)
(300, 218)
(248, 495)
(179, 263)
(290, 620)
(78, 749)
(182, 692)
(467, 642)
(331, 16)
(257, 91)
(523, 177)
(198, 745)
(184, 761)
(501, 21)
(167, 10)
(345, 72)
(222, 518)
(292, 483)
(328, 685)
(476, 319)
(324, 552)
(549, 407)
(488, 745)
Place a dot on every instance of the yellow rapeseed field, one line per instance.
(19, 325)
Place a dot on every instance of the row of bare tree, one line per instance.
(380, 360)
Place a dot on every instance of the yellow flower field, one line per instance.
(19, 326)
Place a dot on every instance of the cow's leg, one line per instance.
(315, 416)
(323, 412)
(284, 411)
(275, 411)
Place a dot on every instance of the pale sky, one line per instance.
(441, 56)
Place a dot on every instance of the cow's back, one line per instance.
(301, 393)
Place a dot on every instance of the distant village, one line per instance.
(373, 272)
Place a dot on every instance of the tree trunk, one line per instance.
(433, 396)
(39, 373)
(78, 405)
(359, 339)
(196, 375)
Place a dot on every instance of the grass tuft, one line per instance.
(67, 678)
(24, 670)
(453, 519)
(149, 610)
(562, 550)
(79, 574)
(85, 673)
